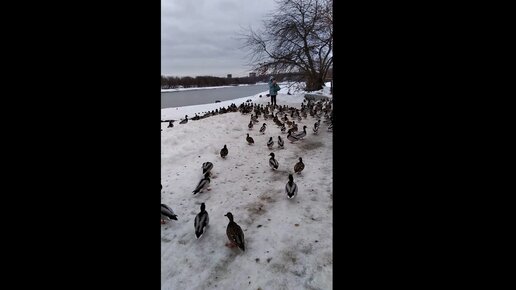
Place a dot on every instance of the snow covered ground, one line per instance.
(288, 242)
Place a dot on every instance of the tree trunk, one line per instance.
(314, 83)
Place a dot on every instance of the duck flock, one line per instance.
(285, 118)
(315, 109)
(264, 191)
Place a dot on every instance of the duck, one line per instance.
(301, 134)
(185, 120)
(299, 166)
(224, 151)
(270, 143)
(249, 140)
(316, 126)
(292, 138)
(294, 126)
(283, 128)
(201, 221)
(262, 129)
(170, 124)
(250, 126)
(206, 167)
(167, 213)
(203, 184)
(234, 233)
(291, 187)
(273, 163)
(280, 142)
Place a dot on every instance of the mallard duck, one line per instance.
(250, 126)
(291, 187)
(254, 118)
(294, 126)
(249, 139)
(262, 129)
(201, 221)
(167, 213)
(203, 184)
(299, 166)
(316, 126)
(301, 134)
(185, 120)
(273, 163)
(206, 167)
(170, 124)
(224, 151)
(234, 233)
(291, 137)
(280, 142)
(270, 143)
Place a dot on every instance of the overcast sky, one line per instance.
(200, 37)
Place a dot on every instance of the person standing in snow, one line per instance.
(273, 90)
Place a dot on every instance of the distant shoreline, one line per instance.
(206, 88)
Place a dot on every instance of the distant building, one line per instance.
(252, 75)
(229, 76)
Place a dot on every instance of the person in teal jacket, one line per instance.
(273, 90)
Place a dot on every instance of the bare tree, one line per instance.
(298, 37)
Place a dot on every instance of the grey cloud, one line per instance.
(200, 37)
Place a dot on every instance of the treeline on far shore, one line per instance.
(170, 82)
